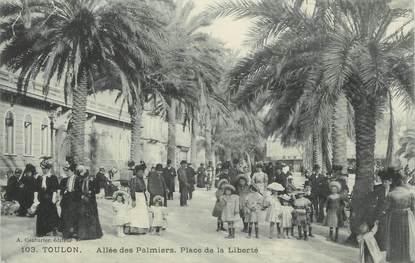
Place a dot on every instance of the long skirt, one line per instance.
(47, 219)
(400, 241)
(25, 201)
(139, 217)
(88, 222)
(332, 219)
(69, 215)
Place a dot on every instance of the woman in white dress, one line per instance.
(139, 217)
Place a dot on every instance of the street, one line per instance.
(190, 237)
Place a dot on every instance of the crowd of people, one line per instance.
(68, 204)
(267, 193)
(325, 199)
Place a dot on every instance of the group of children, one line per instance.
(247, 202)
(122, 204)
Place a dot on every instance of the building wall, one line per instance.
(108, 131)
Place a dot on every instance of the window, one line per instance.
(44, 137)
(9, 133)
(28, 135)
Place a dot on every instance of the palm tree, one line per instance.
(191, 71)
(407, 145)
(351, 50)
(75, 41)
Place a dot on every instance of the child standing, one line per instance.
(217, 209)
(253, 205)
(230, 211)
(302, 207)
(333, 205)
(274, 212)
(158, 213)
(242, 189)
(369, 249)
(286, 215)
(121, 207)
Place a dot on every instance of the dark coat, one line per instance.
(191, 173)
(169, 175)
(47, 218)
(137, 185)
(183, 180)
(156, 184)
(12, 189)
(89, 226)
(70, 207)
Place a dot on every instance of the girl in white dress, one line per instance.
(121, 207)
(274, 211)
(158, 213)
(286, 216)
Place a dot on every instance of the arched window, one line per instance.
(44, 147)
(9, 133)
(28, 135)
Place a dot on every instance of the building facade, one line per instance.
(34, 125)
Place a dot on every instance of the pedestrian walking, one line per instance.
(183, 183)
(191, 174)
(169, 175)
(274, 209)
(89, 226)
(242, 189)
(217, 209)
(47, 219)
(156, 184)
(201, 176)
(332, 212)
(158, 214)
(286, 216)
(70, 199)
(253, 206)
(139, 218)
(400, 237)
(121, 206)
(302, 207)
(260, 179)
(230, 212)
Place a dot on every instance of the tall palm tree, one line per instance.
(352, 49)
(74, 41)
(191, 64)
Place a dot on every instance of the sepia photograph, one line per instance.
(207, 131)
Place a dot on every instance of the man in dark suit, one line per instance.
(183, 183)
(156, 184)
(191, 173)
(169, 175)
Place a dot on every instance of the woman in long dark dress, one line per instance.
(88, 221)
(400, 238)
(27, 188)
(71, 197)
(47, 219)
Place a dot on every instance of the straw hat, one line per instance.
(229, 186)
(222, 181)
(335, 184)
(275, 187)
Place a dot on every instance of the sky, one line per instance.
(232, 32)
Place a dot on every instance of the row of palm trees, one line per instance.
(152, 52)
(324, 71)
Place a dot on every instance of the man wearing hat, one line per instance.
(183, 183)
(102, 182)
(157, 185)
(169, 175)
(191, 173)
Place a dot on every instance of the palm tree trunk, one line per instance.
(171, 137)
(391, 136)
(362, 200)
(208, 138)
(326, 148)
(136, 114)
(228, 155)
(77, 131)
(316, 148)
(339, 133)
(195, 133)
